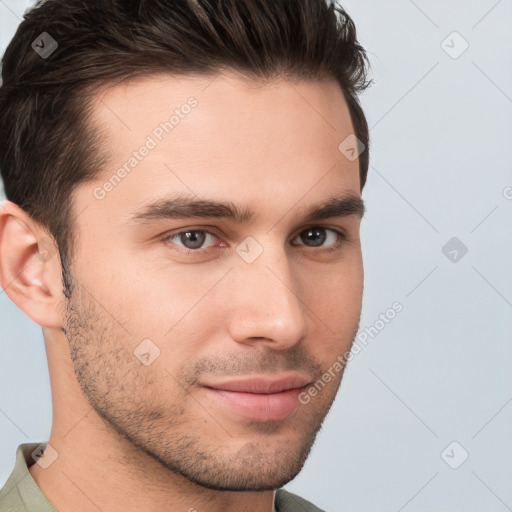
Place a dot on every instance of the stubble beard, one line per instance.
(116, 385)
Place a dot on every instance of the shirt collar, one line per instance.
(21, 491)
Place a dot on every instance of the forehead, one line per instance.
(223, 135)
(229, 107)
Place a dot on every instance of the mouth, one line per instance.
(259, 398)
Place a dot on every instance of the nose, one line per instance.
(267, 306)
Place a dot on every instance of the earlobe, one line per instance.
(29, 266)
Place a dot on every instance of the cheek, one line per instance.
(334, 299)
(158, 299)
(150, 296)
(336, 288)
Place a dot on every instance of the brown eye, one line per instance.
(316, 237)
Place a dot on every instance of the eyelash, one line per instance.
(170, 236)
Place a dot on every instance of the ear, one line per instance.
(30, 271)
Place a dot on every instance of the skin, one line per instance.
(136, 437)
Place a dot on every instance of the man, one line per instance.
(183, 183)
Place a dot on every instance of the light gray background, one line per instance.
(441, 134)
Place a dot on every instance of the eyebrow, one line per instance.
(184, 207)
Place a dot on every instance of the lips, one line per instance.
(259, 384)
(258, 398)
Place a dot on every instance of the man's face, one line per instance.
(163, 314)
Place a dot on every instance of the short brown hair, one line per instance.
(47, 146)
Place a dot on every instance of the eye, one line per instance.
(195, 239)
(318, 235)
(191, 239)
